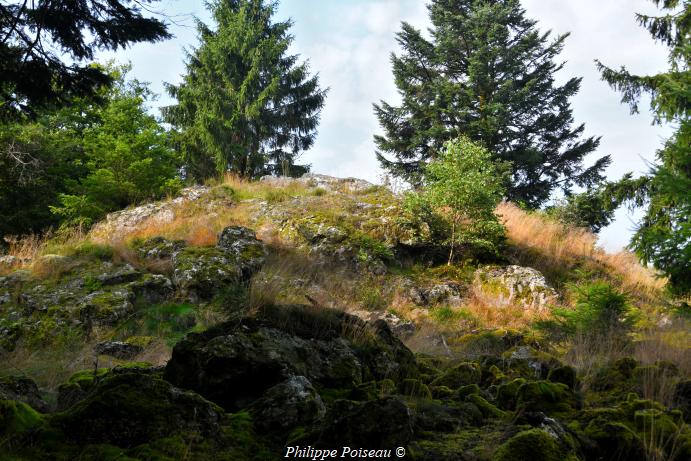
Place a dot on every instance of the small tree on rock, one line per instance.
(464, 185)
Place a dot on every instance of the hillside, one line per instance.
(241, 319)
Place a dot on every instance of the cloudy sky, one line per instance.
(348, 42)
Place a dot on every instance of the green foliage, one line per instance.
(591, 209)
(663, 236)
(126, 155)
(75, 164)
(245, 105)
(600, 311)
(44, 46)
(464, 185)
(170, 322)
(487, 73)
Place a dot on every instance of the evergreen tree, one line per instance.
(245, 104)
(43, 43)
(663, 237)
(487, 73)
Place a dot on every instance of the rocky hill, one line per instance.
(291, 317)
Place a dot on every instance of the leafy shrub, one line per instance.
(465, 185)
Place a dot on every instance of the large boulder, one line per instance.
(378, 424)
(242, 244)
(514, 285)
(200, 273)
(24, 390)
(287, 405)
(132, 408)
(235, 363)
(203, 272)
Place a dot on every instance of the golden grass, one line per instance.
(554, 249)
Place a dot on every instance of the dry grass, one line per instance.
(556, 249)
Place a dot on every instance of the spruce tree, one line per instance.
(663, 237)
(245, 104)
(487, 73)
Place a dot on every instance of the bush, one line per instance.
(600, 311)
(465, 186)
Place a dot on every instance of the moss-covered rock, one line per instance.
(487, 409)
(565, 375)
(415, 388)
(614, 440)
(24, 390)
(507, 393)
(531, 444)
(459, 375)
(381, 423)
(17, 418)
(330, 348)
(131, 408)
(545, 396)
(287, 405)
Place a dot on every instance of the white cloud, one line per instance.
(349, 43)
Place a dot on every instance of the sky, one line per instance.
(349, 42)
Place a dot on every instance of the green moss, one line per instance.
(507, 394)
(465, 391)
(487, 409)
(615, 440)
(545, 396)
(17, 418)
(565, 375)
(459, 375)
(414, 388)
(532, 444)
(86, 379)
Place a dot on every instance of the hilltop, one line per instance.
(240, 318)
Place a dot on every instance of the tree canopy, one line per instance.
(245, 104)
(487, 73)
(663, 237)
(46, 48)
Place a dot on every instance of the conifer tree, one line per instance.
(487, 73)
(245, 104)
(663, 236)
(43, 46)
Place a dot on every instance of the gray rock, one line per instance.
(447, 292)
(287, 405)
(401, 328)
(24, 390)
(287, 341)
(242, 244)
(125, 221)
(509, 285)
(159, 248)
(201, 273)
(118, 349)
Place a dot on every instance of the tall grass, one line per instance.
(556, 250)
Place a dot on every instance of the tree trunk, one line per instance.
(453, 240)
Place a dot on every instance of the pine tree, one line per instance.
(245, 104)
(43, 45)
(487, 73)
(663, 237)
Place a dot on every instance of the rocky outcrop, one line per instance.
(514, 285)
(118, 349)
(131, 408)
(24, 390)
(200, 273)
(126, 221)
(251, 357)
